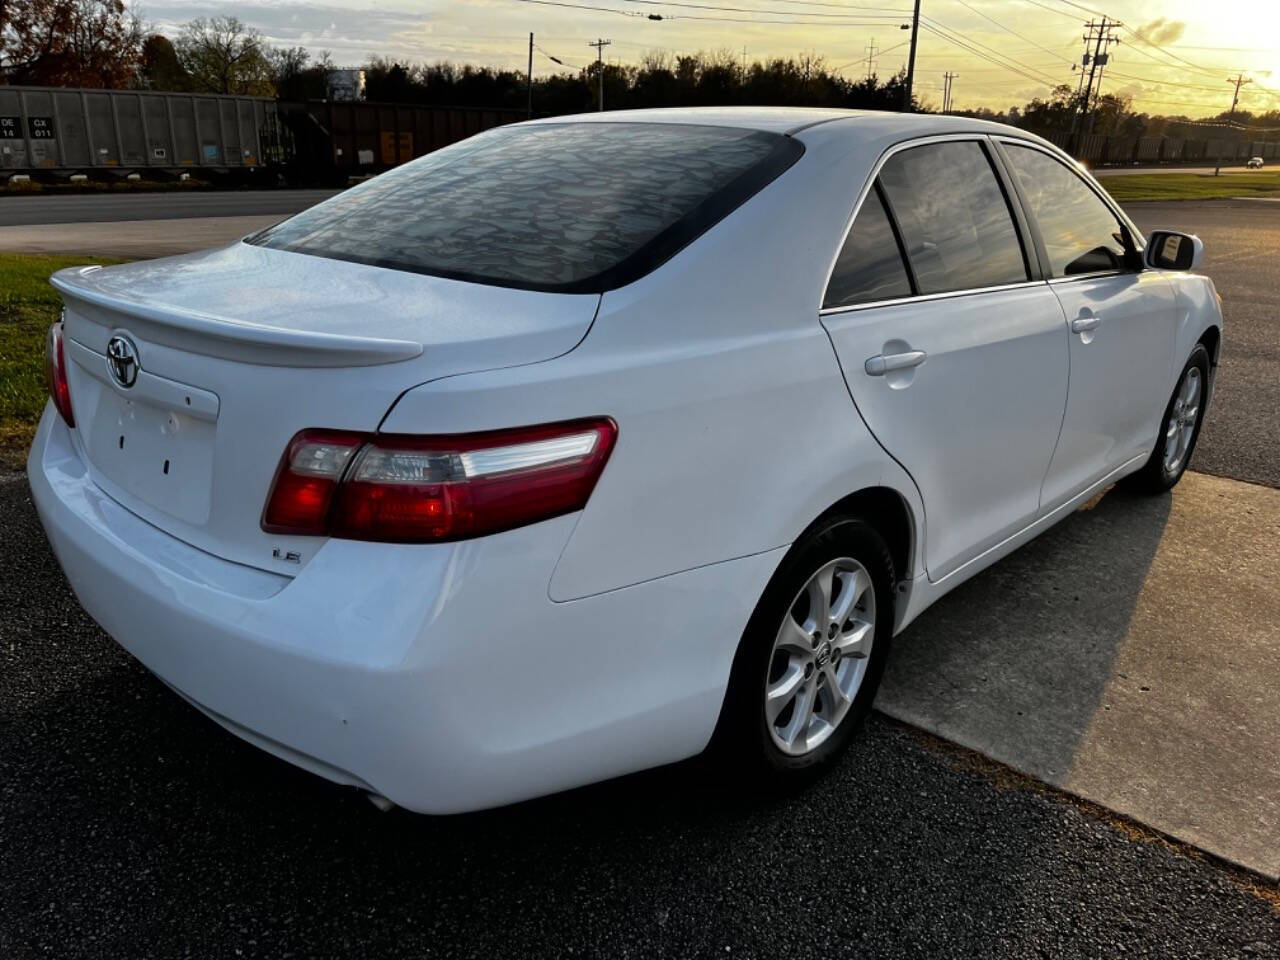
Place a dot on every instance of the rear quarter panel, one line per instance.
(736, 429)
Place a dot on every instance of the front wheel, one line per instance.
(1180, 428)
(811, 657)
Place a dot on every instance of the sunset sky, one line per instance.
(1198, 44)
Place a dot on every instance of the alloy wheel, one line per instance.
(1182, 421)
(820, 656)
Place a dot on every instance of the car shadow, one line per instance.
(1015, 662)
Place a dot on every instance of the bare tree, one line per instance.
(224, 55)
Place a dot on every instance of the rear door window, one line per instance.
(870, 265)
(571, 207)
(1080, 232)
(954, 217)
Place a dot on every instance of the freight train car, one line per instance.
(344, 138)
(61, 130)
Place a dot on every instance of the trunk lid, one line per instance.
(233, 351)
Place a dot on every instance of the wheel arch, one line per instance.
(1212, 340)
(889, 512)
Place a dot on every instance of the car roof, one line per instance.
(791, 120)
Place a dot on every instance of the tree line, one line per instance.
(103, 43)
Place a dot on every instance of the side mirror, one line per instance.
(1169, 250)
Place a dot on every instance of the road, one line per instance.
(1241, 437)
(131, 825)
(168, 205)
(1129, 171)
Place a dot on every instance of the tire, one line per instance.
(750, 738)
(1171, 454)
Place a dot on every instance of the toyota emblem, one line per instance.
(122, 361)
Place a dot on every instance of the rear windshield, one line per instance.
(576, 207)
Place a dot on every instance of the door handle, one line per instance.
(881, 363)
(1085, 324)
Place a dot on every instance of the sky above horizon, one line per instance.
(1182, 70)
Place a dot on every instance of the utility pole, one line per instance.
(600, 45)
(1102, 35)
(911, 59)
(947, 78)
(530, 76)
(871, 58)
(1238, 80)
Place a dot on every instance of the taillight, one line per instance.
(418, 489)
(55, 374)
(302, 494)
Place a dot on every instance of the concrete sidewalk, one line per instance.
(131, 239)
(1131, 655)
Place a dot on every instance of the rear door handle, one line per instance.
(882, 363)
(1085, 324)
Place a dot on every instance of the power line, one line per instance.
(555, 59)
(583, 6)
(839, 6)
(895, 15)
(1000, 59)
(1015, 33)
(1164, 83)
(637, 15)
(989, 59)
(1062, 13)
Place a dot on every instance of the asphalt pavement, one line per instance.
(165, 205)
(133, 826)
(1241, 437)
(1128, 171)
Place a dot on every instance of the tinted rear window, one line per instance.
(579, 207)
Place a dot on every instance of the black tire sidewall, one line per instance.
(743, 733)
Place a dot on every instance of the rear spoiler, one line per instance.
(210, 335)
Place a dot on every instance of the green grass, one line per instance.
(28, 305)
(1191, 186)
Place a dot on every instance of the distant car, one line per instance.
(1254, 163)
(584, 444)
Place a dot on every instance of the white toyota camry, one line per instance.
(588, 444)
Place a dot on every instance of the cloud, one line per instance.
(1161, 31)
(351, 34)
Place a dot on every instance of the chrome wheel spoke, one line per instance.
(794, 638)
(837, 698)
(796, 733)
(1191, 388)
(783, 691)
(856, 643)
(819, 590)
(852, 586)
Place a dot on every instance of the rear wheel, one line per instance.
(1179, 430)
(812, 655)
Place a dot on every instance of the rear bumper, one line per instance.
(441, 676)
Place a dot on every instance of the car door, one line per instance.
(1121, 323)
(953, 352)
